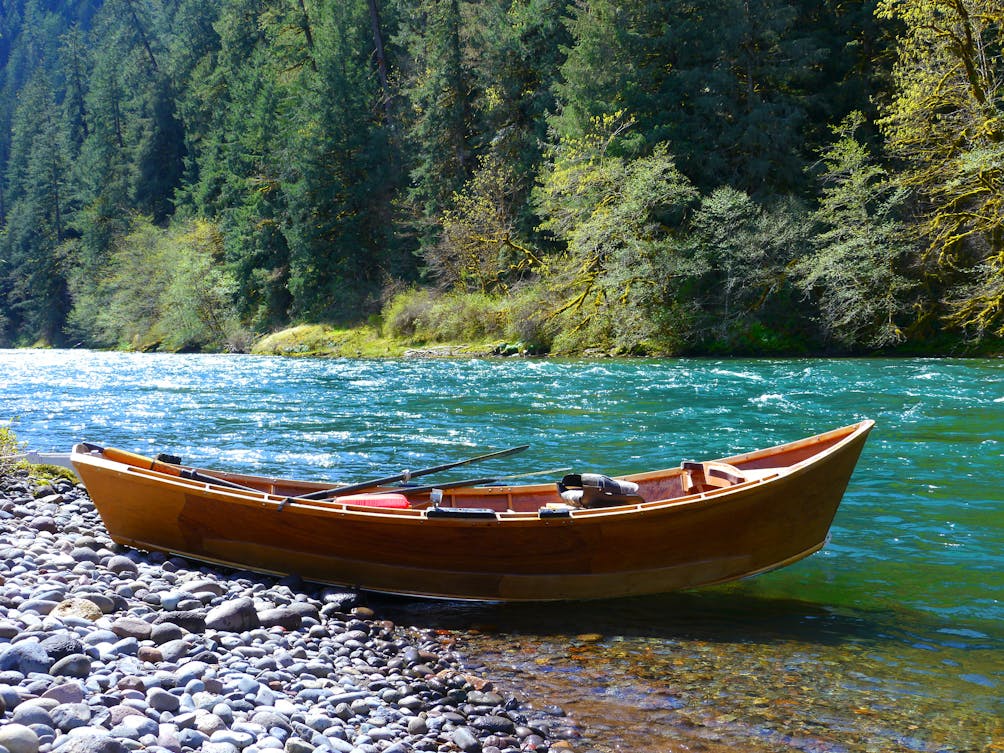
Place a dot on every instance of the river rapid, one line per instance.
(890, 639)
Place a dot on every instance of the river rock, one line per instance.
(284, 617)
(107, 604)
(29, 713)
(26, 656)
(18, 738)
(74, 665)
(68, 716)
(235, 616)
(166, 631)
(465, 739)
(191, 620)
(132, 627)
(161, 700)
(66, 692)
(122, 565)
(82, 608)
(202, 587)
(61, 645)
(113, 655)
(90, 740)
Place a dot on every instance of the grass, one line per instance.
(11, 446)
(364, 341)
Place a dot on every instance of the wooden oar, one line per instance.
(193, 475)
(406, 490)
(406, 475)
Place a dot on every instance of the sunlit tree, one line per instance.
(946, 123)
(855, 271)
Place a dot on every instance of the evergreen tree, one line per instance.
(234, 120)
(337, 155)
(36, 224)
(439, 94)
(725, 82)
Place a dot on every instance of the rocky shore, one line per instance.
(105, 650)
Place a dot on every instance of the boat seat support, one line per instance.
(702, 477)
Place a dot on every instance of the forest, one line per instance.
(635, 177)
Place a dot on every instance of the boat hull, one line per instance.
(652, 547)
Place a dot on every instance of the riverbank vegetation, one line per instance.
(538, 176)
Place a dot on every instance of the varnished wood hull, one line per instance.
(665, 544)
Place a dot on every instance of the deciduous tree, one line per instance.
(856, 270)
(945, 123)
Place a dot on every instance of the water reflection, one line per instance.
(725, 614)
(714, 615)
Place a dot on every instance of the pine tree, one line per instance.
(37, 219)
(439, 94)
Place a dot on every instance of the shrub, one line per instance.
(405, 311)
(10, 449)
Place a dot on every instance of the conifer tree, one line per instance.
(36, 224)
(438, 91)
(337, 154)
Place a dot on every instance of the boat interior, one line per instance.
(689, 479)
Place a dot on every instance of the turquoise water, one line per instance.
(891, 638)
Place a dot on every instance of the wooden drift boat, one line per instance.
(693, 525)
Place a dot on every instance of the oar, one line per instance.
(406, 490)
(406, 475)
(193, 475)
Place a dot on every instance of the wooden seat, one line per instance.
(713, 474)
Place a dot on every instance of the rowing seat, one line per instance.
(714, 474)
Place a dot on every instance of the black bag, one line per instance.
(596, 490)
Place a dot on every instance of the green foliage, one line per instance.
(160, 289)
(10, 461)
(730, 85)
(36, 223)
(322, 340)
(404, 313)
(423, 316)
(629, 176)
(945, 121)
(741, 252)
(619, 220)
(480, 248)
(438, 93)
(856, 266)
(10, 448)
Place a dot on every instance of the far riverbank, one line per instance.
(370, 341)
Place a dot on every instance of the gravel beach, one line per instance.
(104, 650)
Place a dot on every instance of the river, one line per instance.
(890, 639)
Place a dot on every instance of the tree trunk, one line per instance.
(380, 58)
